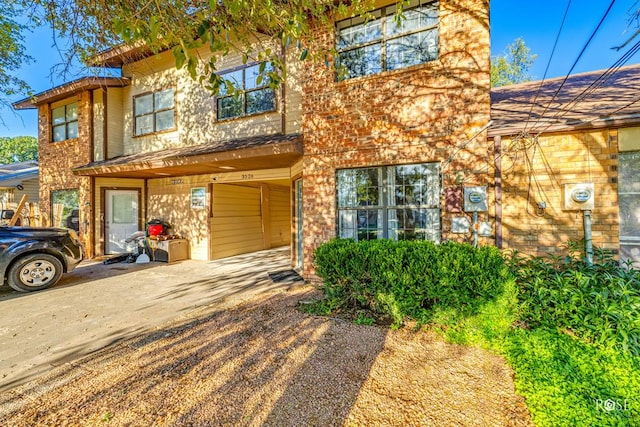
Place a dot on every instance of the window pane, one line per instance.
(412, 49)
(164, 100)
(125, 207)
(72, 130)
(629, 215)
(165, 120)
(229, 107)
(368, 187)
(64, 209)
(370, 224)
(72, 112)
(251, 76)
(58, 115)
(361, 62)
(629, 172)
(144, 124)
(143, 104)
(234, 78)
(260, 101)
(346, 184)
(414, 19)
(359, 34)
(59, 133)
(347, 224)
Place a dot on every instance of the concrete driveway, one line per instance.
(97, 305)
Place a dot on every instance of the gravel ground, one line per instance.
(264, 363)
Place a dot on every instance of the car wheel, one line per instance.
(34, 272)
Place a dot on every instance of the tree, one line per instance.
(260, 30)
(18, 149)
(513, 66)
(12, 52)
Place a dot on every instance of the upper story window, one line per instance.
(254, 94)
(64, 122)
(154, 112)
(383, 44)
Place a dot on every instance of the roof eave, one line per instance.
(65, 90)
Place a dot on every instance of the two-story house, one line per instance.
(374, 142)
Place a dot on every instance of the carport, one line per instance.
(225, 198)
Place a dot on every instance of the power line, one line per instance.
(595, 85)
(584, 48)
(546, 70)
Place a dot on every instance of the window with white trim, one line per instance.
(387, 43)
(154, 112)
(629, 203)
(64, 122)
(390, 202)
(252, 94)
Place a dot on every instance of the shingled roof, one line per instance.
(595, 99)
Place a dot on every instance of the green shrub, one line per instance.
(408, 279)
(599, 303)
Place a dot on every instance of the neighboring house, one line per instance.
(364, 156)
(553, 134)
(18, 180)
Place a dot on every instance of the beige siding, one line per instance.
(115, 136)
(98, 125)
(293, 95)
(236, 226)
(170, 200)
(31, 189)
(195, 107)
(119, 183)
(629, 139)
(280, 215)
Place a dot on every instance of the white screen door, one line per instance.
(121, 219)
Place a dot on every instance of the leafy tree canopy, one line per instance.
(513, 66)
(18, 149)
(12, 51)
(186, 27)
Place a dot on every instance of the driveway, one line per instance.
(97, 305)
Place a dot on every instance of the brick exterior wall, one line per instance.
(534, 172)
(431, 112)
(56, 161)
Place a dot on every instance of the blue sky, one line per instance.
(536, 21)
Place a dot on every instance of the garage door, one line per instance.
(236, 225)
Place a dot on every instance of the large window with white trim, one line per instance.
(394, 202)
(388, 42)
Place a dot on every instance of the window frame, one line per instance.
(68, 208)
(65, 124)
(153, 113)
(381, 15)
(242, 94)
(383, 210)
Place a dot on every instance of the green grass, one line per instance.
(565, 381)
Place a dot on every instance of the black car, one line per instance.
(34, 258)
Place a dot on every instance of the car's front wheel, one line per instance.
(34, 272)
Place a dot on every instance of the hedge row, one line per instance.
(408, 279)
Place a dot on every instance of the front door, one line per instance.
(121, 218)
